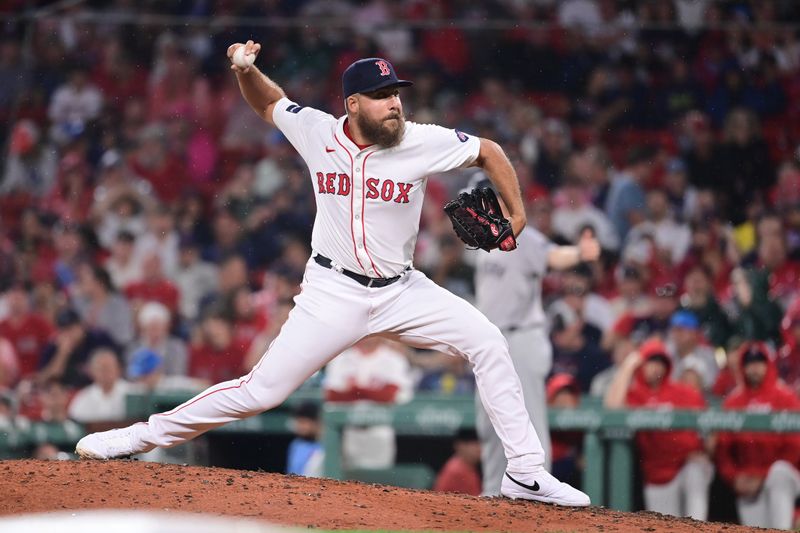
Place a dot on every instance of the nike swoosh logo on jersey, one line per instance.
(534, 487)
(329, 150)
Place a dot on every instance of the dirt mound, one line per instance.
(38, 486)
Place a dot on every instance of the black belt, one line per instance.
(364, 280)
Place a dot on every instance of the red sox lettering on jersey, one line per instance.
(369, 200)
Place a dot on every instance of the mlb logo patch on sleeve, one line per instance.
(461, 136)
(294, 108)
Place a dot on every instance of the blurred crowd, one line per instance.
(153, 231)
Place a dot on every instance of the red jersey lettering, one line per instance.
(372, 188)
(402, 193)
(344, 184)
(387, 190)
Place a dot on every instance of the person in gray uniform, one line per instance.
(508, 290)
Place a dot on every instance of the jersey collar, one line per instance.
(346, 131)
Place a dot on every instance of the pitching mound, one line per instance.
(39, 486)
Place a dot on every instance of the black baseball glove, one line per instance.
(478, 220)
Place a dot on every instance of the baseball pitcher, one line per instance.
(368, 170)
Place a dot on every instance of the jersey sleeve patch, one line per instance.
(461, 136)
(294, 108)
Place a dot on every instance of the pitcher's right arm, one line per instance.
(257, 89)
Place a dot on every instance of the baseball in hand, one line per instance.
(243, 60)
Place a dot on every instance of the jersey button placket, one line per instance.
(358, 207)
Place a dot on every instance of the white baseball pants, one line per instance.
(686, 494)
(332, 313)
(532, 356)
(773, 506)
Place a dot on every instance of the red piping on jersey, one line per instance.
(352, 233)
(242, 382)
(363, 203)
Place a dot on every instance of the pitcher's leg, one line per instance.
(781, 487)
(664, 498)
(696, 477)
(754, 511)
(329, 316)
(420, 313)
(532, 356)
(493, 458)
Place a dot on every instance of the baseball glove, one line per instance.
(478, 220)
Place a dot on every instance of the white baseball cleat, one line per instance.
(111, 444)
(543, 487)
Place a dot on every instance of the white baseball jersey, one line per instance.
(369, 200)
(508, 286)
(384, 366)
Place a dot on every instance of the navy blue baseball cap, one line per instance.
(370, 74)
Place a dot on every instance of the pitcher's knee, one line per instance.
(487, 342)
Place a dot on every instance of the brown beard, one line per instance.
(380, 132)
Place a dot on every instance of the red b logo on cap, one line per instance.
(384, 67)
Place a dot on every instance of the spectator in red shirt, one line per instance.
(215, 356)
(460, 473)
(761, 467)
(677, 472)
(249, 321)
(154, 287)
(28, 332)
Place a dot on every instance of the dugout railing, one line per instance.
(608, 434)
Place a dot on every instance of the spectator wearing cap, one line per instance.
(564, 392)
(31, 165)
(104, 399)
(66, 356)
(461, 473)
(122, 264)
(146, 370)
(196, 279)
(761, 468)
(693, 361)
(154, 324)
(101, 306)
(677, 472)
(305, 454)
(625, 204)
(27, 331)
